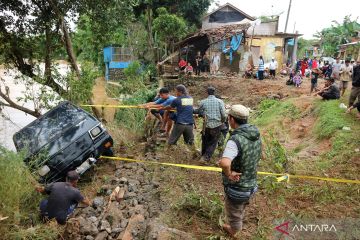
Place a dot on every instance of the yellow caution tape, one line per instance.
(121, 106)
(281, 177)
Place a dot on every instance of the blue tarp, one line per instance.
(234, 45)
(291, 42)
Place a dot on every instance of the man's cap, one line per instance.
(272, 58)
(73, 175)
(239, 111)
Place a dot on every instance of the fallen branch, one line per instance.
(12, 104)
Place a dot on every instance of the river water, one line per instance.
(12, 120)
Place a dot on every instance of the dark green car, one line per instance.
(65, 138)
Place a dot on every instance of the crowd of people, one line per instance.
(201, 64)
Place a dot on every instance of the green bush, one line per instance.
(19, 201)
(275, 153)
(133, 119)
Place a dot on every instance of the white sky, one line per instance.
(310, 15)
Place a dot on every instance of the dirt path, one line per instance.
(100, 98)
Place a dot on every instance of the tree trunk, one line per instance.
(47, 71)
(69, 49)
(12, 104)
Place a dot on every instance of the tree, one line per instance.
(337, 34)
(169, 27)
(25, 23)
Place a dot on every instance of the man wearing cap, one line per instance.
(345, 76)
(239, 167)
(213, 110)
(273, 66)
(184, 122)
(63, 198)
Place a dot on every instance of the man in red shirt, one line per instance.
(182, 64)
(314, 63)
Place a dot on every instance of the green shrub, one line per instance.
(18, 199)
(275, 153)
(133, 119)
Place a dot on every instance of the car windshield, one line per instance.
(43, 130)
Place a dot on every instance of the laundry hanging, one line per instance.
(234, 45)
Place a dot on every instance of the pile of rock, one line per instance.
(131, 218)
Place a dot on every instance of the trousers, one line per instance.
(210, 141)
(181, 129)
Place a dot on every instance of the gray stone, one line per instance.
(132, 188)
(123, 180)
(98, 202)
(140, 171)
(118, 173)
(134, 182)
(89, 237)
(87, 227)
(102, 235)
(105, 225)
(117, 230)
(134, 202)
(160, 231)
(155, 184)
(108, 192)
(93, 219)
(124, 223)
(129, 195)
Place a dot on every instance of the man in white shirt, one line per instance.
(273, 66)
(336, 69)
(215, 63)
(346, 72)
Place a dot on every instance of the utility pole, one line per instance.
(287, 17)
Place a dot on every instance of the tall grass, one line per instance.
(19, 201)
(133, 119)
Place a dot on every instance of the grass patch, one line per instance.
(331, 118)
(207, 206)
(272, 111)
(19, 201)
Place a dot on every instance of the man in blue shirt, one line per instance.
(184, 122)
(157, 108)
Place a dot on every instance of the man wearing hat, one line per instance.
(63, 198)
(213, 110)
(239, 167)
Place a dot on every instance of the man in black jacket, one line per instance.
(355, 90)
